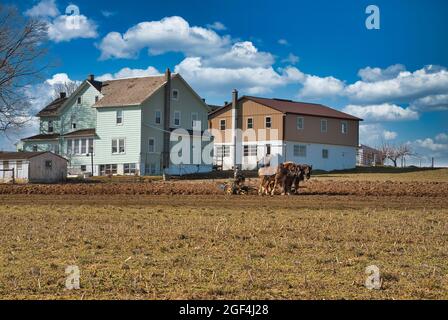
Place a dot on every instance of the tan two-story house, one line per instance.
(285, 130)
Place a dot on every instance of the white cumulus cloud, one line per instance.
(45, 8)
(381, 112)
(218, 26)
(171, 34)
(130, 73)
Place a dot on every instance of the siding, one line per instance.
(250, 109)
(107, 129)
(311, 131)
(187, 104)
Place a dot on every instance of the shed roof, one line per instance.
(45, 137)
(80, 133)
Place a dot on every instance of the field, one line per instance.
(185, 239)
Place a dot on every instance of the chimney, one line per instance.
(236, 136)
(203, 99)
(62, 95)
(166, 120)
(226, 103)
(91, 77)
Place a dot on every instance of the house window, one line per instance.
(299, 150)
(222, 151)
(97, 99)
(35, 148)
(250, 123)
(344, 127)
(119, 117)
(158, 117)
(69, 147)
(325, 153)
(323, 125)
(177, 118)
(175, 94)
(48, 164)
(79, 100)
(268, 122)
(73, 125)
(19, 165)
(83, 168)
(108, 169)
(50, 126)
(222, 124)
(250, 150)
(300, 123)
(268, 149)
(83, 146)
(129, 169)
(118, 146)
(76, 147)
(194, 119)
(152, 145)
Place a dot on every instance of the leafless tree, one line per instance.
(395, 152)
(67, 87)
(21, 53)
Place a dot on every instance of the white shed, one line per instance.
(35, 167)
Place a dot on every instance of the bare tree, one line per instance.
(395, 152)
(67, 87)
(20, 54)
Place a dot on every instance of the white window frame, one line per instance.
(118, 146)
(174, 118)
(251, 124)
(154, 144)
(50, 124)
(344, 123)
(19, 165)
(303, 123)
(222, 151)
(155, 116)
(266, 122)
(300, 147)
(172, 94)
(250, 150)
(322, 121)
(117, 117)
(192, 120)
(132, 169)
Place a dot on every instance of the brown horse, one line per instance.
(305, 174)
(287, 173)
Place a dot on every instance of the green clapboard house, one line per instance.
(122, 126)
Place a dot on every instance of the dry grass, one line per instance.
(218, 247)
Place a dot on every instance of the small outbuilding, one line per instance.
(34, 167)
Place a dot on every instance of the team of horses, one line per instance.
(286, 175)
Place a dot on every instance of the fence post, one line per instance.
(13, 176)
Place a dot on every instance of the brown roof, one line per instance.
(53, 108)
(18, 155)
(44, 137)
(289, 106)
(81, 133)
(129, 92)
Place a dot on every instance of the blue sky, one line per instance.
(320, 51)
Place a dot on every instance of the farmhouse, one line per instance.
(368, 156)
(286, 130)
(122, 126)
(37, 167)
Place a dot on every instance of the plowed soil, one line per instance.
(312, 187)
